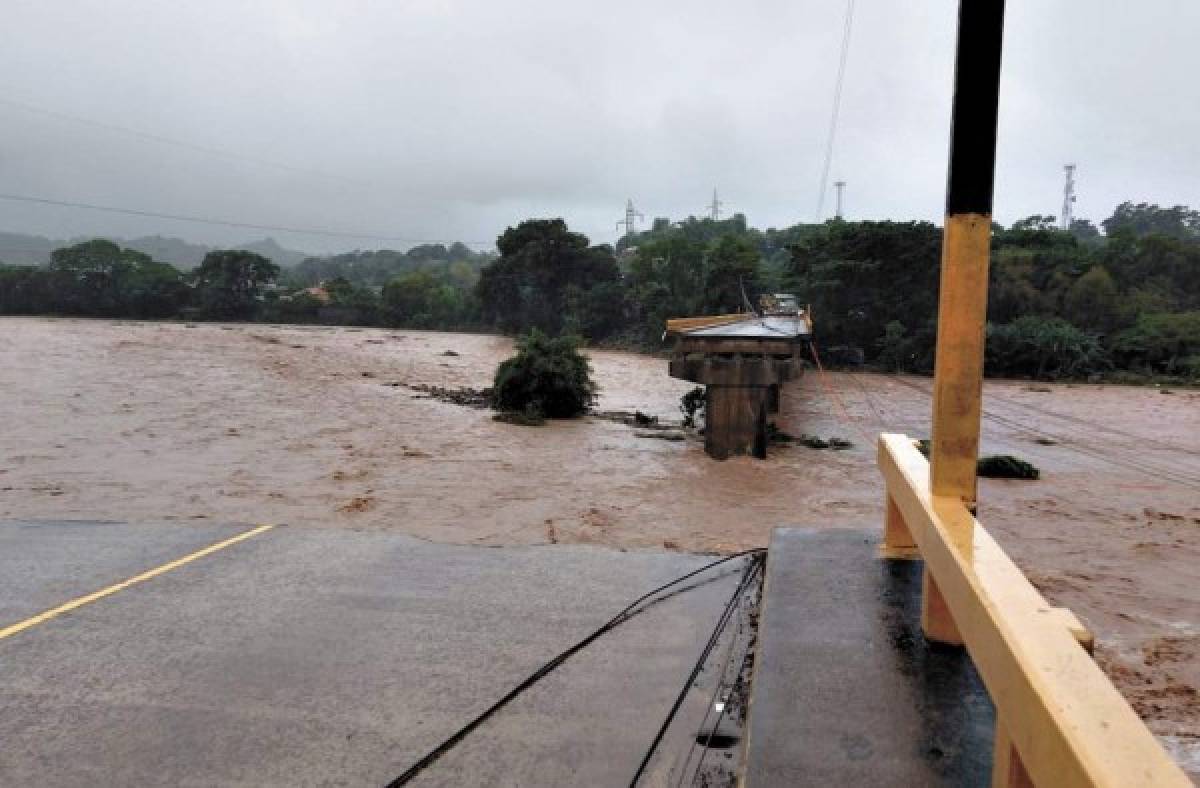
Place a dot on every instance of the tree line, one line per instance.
(1121, 299)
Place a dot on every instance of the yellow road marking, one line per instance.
(21, 626)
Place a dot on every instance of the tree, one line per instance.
(229, 283)
(544, 278)
(421, 299)
(547, 377)
(1092, 302)
(731, 264)
(1167, 343)
(98, 277)
(1147, 219)
(1041, 348)
(860, 276)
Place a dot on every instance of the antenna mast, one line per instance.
(1068, 206)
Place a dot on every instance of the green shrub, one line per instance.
(1043, 347)
(548, 376)
(1165, 343)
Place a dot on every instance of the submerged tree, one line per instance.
(547, 377)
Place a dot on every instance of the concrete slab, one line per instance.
(846, 690)
(306, 657)
(47, 562)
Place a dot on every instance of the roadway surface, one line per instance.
(328, 657)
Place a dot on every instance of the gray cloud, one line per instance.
(454, 119)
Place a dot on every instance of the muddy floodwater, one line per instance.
(319, 427)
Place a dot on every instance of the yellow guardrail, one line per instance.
(678, 325)
(1059, 720)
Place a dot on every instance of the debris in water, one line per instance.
(466, 396)
(522, 418)
(660, 435)
(1006, 466)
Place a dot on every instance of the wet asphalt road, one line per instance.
(329, 657)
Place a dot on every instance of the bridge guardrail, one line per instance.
(1059, 720)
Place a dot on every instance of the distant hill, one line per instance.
(21, 249)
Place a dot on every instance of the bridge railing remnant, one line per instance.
(1059, 720)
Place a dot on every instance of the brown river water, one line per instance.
(297, 425)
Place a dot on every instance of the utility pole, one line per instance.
(841, 187)
(1068, 206)
(962, 296)
(630, 220)
(714, 208)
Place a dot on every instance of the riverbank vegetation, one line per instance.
(1119, 302)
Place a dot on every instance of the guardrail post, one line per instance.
(1007, 769)
(898, 540)
(962, 299)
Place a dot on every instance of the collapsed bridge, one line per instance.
(743, 361)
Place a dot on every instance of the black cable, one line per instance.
(717, 685)
(547, 668)
(837, 106)
(751, 572)
(231, 223)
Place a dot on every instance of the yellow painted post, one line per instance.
(962, 299)
(1007, 769)
(898, 541)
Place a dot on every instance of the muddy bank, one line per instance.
(343, 428)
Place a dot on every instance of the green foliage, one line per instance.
(1061, 304)
(730, 265)
(547, 376)
(549, 278)
(229, 284)
(897, 352)
(298, 308)
(862, 276)
(94, 278)
(377, 268)
(1145, 219)
(1042, 348)
(1167, 342)
(427, 299)
(1092, 301)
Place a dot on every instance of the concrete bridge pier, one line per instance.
(741, 392)
(736, 421)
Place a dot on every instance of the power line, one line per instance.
(164, 140)
(837, 105)
(631, 610)
(232, 223)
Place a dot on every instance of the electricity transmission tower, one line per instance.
(1068, 206)
(630, 220)
(714, 208)
(841, 187)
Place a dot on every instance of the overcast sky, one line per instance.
(451, 119)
